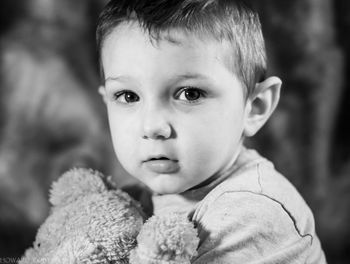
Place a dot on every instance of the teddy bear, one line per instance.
(92, 221)
(165, 239)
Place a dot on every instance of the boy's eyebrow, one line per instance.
(187, 76)
(124, 79)
(121, 78)
(180, 77)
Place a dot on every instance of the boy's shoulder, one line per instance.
(257, 175)
(256, 214)
(256, 182)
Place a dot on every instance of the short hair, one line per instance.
(224, 20)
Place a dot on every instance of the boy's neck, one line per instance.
(220, 176)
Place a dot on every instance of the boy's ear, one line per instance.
(261, 104)
(102, 92)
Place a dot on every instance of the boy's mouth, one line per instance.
(161, 165)
(161, 158)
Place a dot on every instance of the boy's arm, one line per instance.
(245, 227)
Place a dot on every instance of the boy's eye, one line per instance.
(190, 94)
(126, 97)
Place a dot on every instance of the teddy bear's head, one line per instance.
(90, 222)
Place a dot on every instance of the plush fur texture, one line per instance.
(166, 239)
(92, 221)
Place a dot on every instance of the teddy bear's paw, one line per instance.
(112, 252)
(73, 251)
(77, 183)
(170, 239)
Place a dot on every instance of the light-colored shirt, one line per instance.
(252, 214)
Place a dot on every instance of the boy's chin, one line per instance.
(163, 189)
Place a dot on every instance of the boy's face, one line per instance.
(176, 111)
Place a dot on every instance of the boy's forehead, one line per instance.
(176, 36)
(133, 32)
(132, 55)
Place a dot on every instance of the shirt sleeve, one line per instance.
(246, 227)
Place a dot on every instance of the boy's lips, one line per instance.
(162, 164)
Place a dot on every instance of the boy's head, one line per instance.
(183, 83)
(229, 21)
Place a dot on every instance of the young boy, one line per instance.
(184, 84)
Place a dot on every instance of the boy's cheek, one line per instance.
(120, 124)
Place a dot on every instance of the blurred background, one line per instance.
(51, 117)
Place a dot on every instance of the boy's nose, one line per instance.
(156, 125)
(157, 132)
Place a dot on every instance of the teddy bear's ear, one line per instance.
(78, 183)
